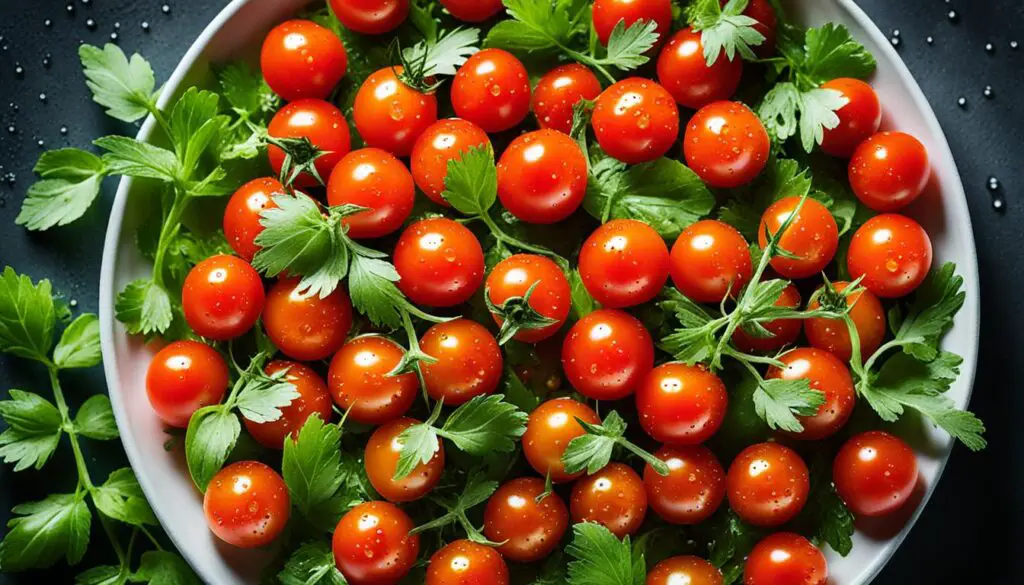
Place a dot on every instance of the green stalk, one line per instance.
(508, 240)
(171, 226)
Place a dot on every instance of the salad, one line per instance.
(533, 292)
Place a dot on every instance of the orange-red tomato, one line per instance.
(381, 461)
(370, 17)
(607, 354)
(307, 328)
(372, 178)
(550, 428)
(529, 530)
(889, 171)
(767, 484)
(833, 335)
(684, 72)
(247, 504)
(710, 259)
(624, 263)
(559, 90)
(784, 331)
(693, 489)
(469, 361)
(442, 142)
(372, 545)
(313, 399)
(301, 59)
(892, 253)
(688, 570)
(514, 276)
(320, 122)
(360, 383)
(222, 297)
(812, 236)
(826, 374)
(858, 119)
(183, 377)
(492, 90)
(681, 404)
(473, 10)
(542, 177)
(391, 115)
(465, 562)
(607, 13)
(875, 473)
(242, 215)
(613, 497)
(440, 262)
(726, 144)
(635, 120)
(785, 558)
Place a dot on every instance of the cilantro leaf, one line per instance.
(602, 559)
(246, 91)
(777, 401)
(778, 111)
(144, 307)
(517, 393)
(212, 433)
(44, 531)
(262, 397)
(311, 564)
(124, 87)
(936, 301)
(628, 47)
(471, 185)
(79, 345)
(27, 316)
(312, 467)
(834, 519)
(730, 540)
(133, 158)
(484, 425)
(160, 567)
(832, 52)
(121, 498)
(95, 419)
(535, 25)
(593, 450)
(33, 430)
(70, 183)
(724, 29)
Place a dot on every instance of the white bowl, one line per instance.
(163, 476)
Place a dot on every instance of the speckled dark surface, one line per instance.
(969, 533)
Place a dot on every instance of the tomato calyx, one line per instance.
(517, 315)
(593, 451)
(476, 492)
(834, 300)
(300, 156)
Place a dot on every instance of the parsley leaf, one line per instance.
(628, 47)
(777, 401)
(95, 419)
(27, 316)
(371, 285)
(593, 450)
(446, 55)
(730, 540)
(832, 52)
(786, 110)
(195, 125)
(311, 564)
(535, 25)
(212, 433)
(144, 307)
(724, 29)
(33, 430)
(79, 345)
(485, 425)
(602, 559)
(160, 567)
(133, 158)
(471, 185)
(477, 491)
(781, 178)
(419, 444)
(936, 301)
(44, 531)
(124, 87)
(70, 183)
(262, 397)
(778, 111)
(121, 498)
(312, 468)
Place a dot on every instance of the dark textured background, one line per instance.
(969, 533)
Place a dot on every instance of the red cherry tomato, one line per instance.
(373, 178)
(242, 215)
(372, 544)
(530, 530)
(858, 119)
(875, 473)
(465, 562)
(559, 90)
(826, 374)
(693, 489)
(607, 13)
(710, 260)
(381, 461)
(784, 331)
(184, 377)
(301, 60)
(440, 262)
(441, 142)
(726, 144)
(320, 122)
(313, 399)
(492, 90)
(469, 361)
(889, 171)
(542, 177)
(834, 336)
(514, 276)
(785, 558)
(812, 236)
(607, 354)
(359, 380)
(893, 253)
(247, 504)
(548, 431)
(307, 328)
(391, 115)
(473, 10)
(222, 297)
(370, 17)
(684, 72)
(688, 569)
(767, 23)
(767, 484)
(681, 404)
(624, 263)
(636, 120)
(614, 497)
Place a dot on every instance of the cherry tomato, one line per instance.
(514, 276)
(607, 354)
(473, 10)
(875, 473)
(372, 545)
(313, 399)
(858, 119)
(726, 144)
(440, 262)
(373, 178)
(689, 570)
(767, 23)
(465, 562)
(607, 13)
(469, 361)
(613, 497)
(624, 263)
(242, 215)
(889, 171)
(370, 17)
(222, 297)
(826, 374)
(684, 72)
(559, 90)
(548, 431)
(693, 489)
(636, 120)
(441, 142)
(785, 558)
(767, 484)
(812, 236)
(834, 336)
(492, 90)
(381, 460)
(391, 115)
(301, 60)
(247, 504)
(530, 530)
(307, 328)
(893, 253)
(184, 377)
(321, 123)
(681, 404)
(784, 331)
(710, 260)
(542, 177)
(359, 380)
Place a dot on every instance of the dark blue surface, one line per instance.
(969, 533)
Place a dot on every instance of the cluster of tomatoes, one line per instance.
(606, 355)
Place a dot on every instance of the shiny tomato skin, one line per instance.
(242, 214)
(875, 473)
(726, 144)
(858, 119)
(247, 504)
(359, 382)
(372, 545)
(389, 114)
(889, 171)
(370, 17)
(813, 236)
(550, 428)
(785, 558)
(513, 277)
(469, 361)
(473, 10)
(301, 59)
(373, 178)
(614, 497)
(687, 569)
(607, 354)
(465, 562)
(183, 377)
(542, 177)
(893, 253)
(624, 263)
(381, 461)
(222, 297)
(684, 72)
(833, 335)
(785, 331)
(710, 260)
(319, 121)
(559, 90)
(681, 404)
(440, 262)
(693, 489)
(529, 530)
(313, 399)
(767, 484)
(607, 13)
(307, 328)
(826, 374)
(635, 120)
(441, 142)
(492, 90)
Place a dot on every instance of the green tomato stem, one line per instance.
(172, 224)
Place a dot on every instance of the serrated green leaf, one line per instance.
(70, 182)
(79, 345)
(144, 308)
(27, 316)
(95, 419)
(211, 435)
(121, 498)
(928, 318)
(831, 52)
(123, 86)
(600, 558)
(158, 567)
(484, 425)
(311, 564)
(33, 433)
(43, 532)
(134, 158)
(312, 467)
(471, 185)
(779, 401)
(628, 46)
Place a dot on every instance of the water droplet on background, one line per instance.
(930, 40)
(987, 92)
(962, 102)
(953, 16)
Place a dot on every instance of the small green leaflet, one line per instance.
(831, 52)
(33, 430)
(104, 575)
(535, 25)
(371, 285)
(121, 498)
(70, 182)
(144, 307)
(246, 91)
(312, 468)
(95, 419)
(582, 302)
(786, 110)
(471, 185)
(262, 397)
(160, 567)
(27, 316)
(195, 126)
(730, 540)
(777, 401)
(419, 444)
(124, 87)
(43, 532)
(936, 301)
(212, 433)
(724, 29)
(446, 55)
(627, 47)
(477, 491)
(593, 451)
(79, 345)
(600, 558)
(311, 564)
(130, 157)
